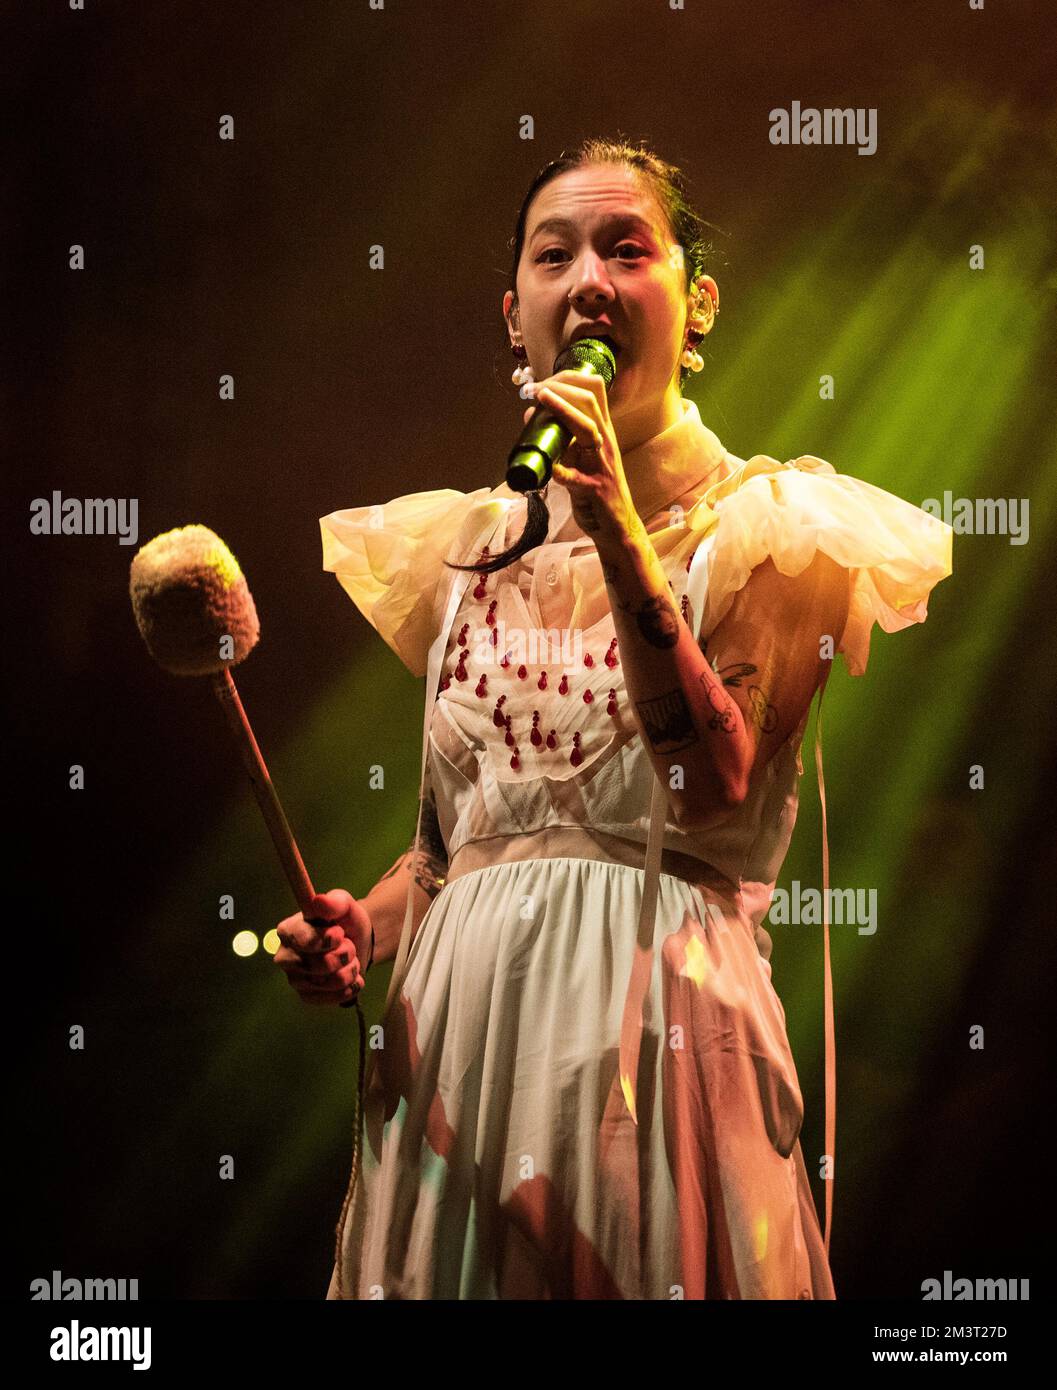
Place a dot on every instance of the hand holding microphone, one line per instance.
(547, 433)
(572, 416)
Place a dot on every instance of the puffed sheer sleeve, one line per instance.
(389, 559)
(895, 552)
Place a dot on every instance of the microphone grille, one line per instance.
(594, 353)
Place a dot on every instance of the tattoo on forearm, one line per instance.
(668, 723)
(429, 875)
(613, 577)
(655, 617)
(431, 867)
(659, 623)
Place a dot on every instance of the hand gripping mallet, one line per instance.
(196, 614)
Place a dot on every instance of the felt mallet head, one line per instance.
(189, 595)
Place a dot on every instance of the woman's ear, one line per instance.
(710, 287)
(510, 313)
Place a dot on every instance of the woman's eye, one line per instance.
(624, 246)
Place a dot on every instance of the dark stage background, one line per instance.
(402, 127)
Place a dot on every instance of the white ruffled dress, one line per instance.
(586, 1088)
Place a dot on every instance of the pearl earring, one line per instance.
(523, 372)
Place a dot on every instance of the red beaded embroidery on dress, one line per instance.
(569, 747)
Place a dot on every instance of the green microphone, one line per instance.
(546, 436)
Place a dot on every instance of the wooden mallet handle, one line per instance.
(267, 799)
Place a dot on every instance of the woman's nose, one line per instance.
(590, 279)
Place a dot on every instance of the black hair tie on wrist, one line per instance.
(370, 958)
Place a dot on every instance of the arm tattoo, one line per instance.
(612, 577)
(737, 670)
(668, 722)
(764, 714)
(431, 868)
(658, 623)
(656, 617)
(723, 716)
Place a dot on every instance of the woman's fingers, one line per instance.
(343, 965)
(326, 984)
(573, 476)
(322, 977)
(588, 393)
(582, 384)
(326, 989)
(303, 936)
(322, 963)
(313, 965)
(580, 401)
(585, 431)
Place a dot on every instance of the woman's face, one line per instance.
(597, 246)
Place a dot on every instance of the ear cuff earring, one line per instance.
(702, 317)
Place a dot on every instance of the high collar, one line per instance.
(660, 471)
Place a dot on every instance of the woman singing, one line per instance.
(583, 1086)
